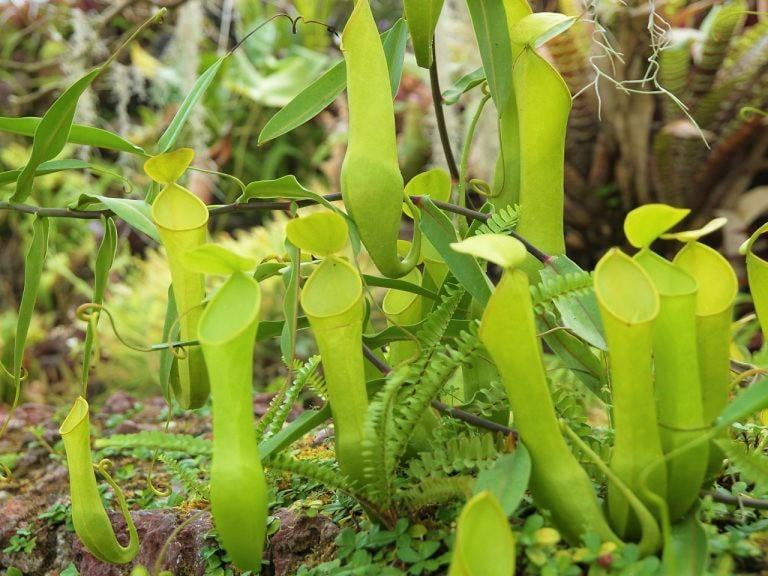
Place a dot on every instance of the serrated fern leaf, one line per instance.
(462, 454)
(546, 292)
(380, 467)
(304, 375)
(752, 465)
(433, 491)
(500, 222)
(187, 478)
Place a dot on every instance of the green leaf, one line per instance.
(490, 23)
(136, 213)
(291, 278)
(170, 333)
(322, 92)
(79, 134)
(750, 401)
(10, 176)
(463, 85)
(500, 249)
(686, 553)
(33, 271)
(646, 223)
(104, 260)
(216, 260)
(398, 284)
(319, 233)
(439, 230)
(284, 187)
(579, 313)
(507, 479)
(52, 133)
(537, 29)
(422, 17)
(484, 541)
(172, 132)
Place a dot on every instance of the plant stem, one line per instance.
(736, 500)
(276, 205)
(456, 413)
(437, 102)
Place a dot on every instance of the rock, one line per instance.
(182, 556)
(118, 403)
(300, 540)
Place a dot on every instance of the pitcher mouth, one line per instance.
(326, 294)
(233, 320)
(178, 210)
(618, 275)
(77, 414)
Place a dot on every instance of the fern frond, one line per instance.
(433, 491)
(500, 222)
(188, 479)
(547, 291)
(752, 465)
(720, 26)
(408, 410)
(305, 374)
(156, 440)
(320, 472)
(380, 464)
(462, 454)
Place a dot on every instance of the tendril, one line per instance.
(164, 490)
(6, 474)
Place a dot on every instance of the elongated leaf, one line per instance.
(136, 213)
(687, 551)
(79, 134)
(463, 85)
(490, 23)
(750, 401)
(10, 176)
(322, 92)
(438, 228)
(284, 187)
(580, 313)
(291, 279)
(173, 131)
(422, 17)
(507, 479)
(398, 284)
(167, 359)
(52, 133)
(104, 260)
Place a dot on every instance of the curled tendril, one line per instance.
(751, 113)
(87, 311)
(482, 187)
(8, 374)
(165, 490)
(6, 474)
(178, 349)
